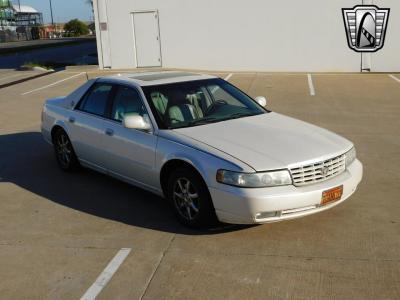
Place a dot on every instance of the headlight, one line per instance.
(254, 180)
(350, 156)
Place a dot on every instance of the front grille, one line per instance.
(319, 171)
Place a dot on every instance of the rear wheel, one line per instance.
(191, 199)
(64, 151)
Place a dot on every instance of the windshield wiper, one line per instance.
(208, 120)
(196, 122)
(238, 115)
(214, 119)
(203, 121)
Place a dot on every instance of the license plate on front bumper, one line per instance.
(332, 195)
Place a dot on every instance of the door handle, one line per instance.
(71, 119)
(109, 131)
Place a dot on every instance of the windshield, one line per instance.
(194, 103)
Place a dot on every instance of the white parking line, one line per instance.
(394, 77)
(311, 85)
(52, 84)
(228, 77)
(106, 275)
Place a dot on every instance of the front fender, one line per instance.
(62, 124)
(205, 163)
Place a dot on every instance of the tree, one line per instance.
(76, 27)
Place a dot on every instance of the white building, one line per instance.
(232, 35)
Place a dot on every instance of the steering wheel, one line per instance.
(211, 109)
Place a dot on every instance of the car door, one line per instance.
(130, 152)
(87, 127)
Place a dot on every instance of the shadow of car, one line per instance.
(28, 161)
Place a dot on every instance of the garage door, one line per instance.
(147, 39)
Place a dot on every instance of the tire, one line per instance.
(190, 199)
(65, 154)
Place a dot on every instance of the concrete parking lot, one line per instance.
(58, 231)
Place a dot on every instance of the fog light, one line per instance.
(268, 214)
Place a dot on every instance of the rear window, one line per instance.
(95, 101)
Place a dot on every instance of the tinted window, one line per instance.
(95, 102)
(127, 101)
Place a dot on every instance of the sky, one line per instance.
(63, 10)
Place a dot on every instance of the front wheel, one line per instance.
(64, 151)
(191, 199)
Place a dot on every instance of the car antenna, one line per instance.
(87, 76)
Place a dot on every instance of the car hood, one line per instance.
(269, 141)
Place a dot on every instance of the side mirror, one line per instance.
(261, 100)
(136, 122)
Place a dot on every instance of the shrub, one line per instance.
(76, 27)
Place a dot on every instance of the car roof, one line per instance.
(157, 78)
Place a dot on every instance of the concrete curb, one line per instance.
(79, 68)
(2, 86)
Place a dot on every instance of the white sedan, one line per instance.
(211, 150)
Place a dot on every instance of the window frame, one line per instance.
(117, 86)
(90, 90)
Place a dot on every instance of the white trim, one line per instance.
(311, 85)
(106, 275)
(98, 34)
(52, 84)
(134, 38)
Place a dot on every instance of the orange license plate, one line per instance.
(332, 195)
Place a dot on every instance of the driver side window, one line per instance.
(126, 101)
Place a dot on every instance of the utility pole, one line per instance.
(51, 12)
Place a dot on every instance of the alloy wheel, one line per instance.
(186, 198)
(64, 149)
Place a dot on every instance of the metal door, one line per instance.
(86, 134)
(131, 154)
(147, 38)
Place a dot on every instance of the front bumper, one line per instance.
(249, 206)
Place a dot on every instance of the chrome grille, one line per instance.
(319, 171)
